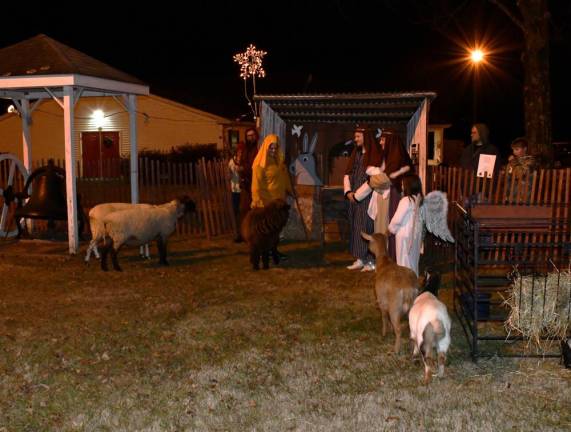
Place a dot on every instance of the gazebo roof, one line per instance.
(28, 67)
(388, 108)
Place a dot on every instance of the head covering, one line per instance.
(262, 156)
(372, 151)
(394, 154)
(484, 133)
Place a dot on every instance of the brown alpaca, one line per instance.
(261, 229)
(395, 286)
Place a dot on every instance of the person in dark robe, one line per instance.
(244, 168)
(480, 144)
(364, 154)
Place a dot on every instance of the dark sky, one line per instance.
(313, 46)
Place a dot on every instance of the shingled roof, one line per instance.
(388, 108)
(42, 55)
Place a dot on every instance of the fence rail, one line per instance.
(206, 182)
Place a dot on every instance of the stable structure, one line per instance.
(405, 112)
(41, 68)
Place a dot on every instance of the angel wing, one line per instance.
(435, 215)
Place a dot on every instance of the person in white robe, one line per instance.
(407, 225)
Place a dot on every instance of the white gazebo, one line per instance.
(42, 68)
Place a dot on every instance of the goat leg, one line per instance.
(255, 259)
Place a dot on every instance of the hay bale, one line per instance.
(539, 306)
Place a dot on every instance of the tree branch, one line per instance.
(505, 9)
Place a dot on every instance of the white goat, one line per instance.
(430, 328)
(96, 216)
(137, 226)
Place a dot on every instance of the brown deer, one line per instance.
(395, 286)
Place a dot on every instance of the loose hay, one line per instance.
(540, 307)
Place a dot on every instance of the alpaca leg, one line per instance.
(162, 246)
(255, 259)
(266, 260)
(275, 255)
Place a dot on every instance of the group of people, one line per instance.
(384, 195)
(258, 176)
(383, 192)
(520, 165)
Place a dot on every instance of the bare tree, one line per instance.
(532, 17)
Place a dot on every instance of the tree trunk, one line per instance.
(537, 87)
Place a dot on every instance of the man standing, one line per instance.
(245, 162)
(480, 145)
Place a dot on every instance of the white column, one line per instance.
(422, 139)
(134, 156)
(26, 133)
(71, 195)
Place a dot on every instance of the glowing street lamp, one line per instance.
(477, 56)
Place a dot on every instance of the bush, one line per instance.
(183, 153)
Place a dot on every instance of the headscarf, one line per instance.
(372, 151)
(262, 156)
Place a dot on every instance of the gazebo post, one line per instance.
(134, 156)
(68, 113)
(26, 135)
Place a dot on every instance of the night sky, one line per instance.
(315, 46)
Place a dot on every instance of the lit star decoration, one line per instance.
(251, 62)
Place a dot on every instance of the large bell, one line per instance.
(48, 195)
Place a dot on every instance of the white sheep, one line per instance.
(137, 226)
(430, 328)
(96, 216)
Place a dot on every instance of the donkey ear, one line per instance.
(313, 143)
(305, 142)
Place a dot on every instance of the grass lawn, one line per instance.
(207, 344)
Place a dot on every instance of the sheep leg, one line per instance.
(114, 259)
(104, 252)
(428, 366)
(162, 246)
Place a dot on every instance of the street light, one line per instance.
(477, 56)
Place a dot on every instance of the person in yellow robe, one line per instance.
(270, 179)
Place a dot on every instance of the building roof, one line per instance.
(42, 55)
(387, 108)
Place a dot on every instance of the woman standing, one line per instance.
(357, 191)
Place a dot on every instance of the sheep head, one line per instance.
(185, 205)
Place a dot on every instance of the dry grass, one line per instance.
(207, 344)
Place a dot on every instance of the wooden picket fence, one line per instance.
(206, 182)
(543, 188)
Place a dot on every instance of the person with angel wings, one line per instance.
(415, 213)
